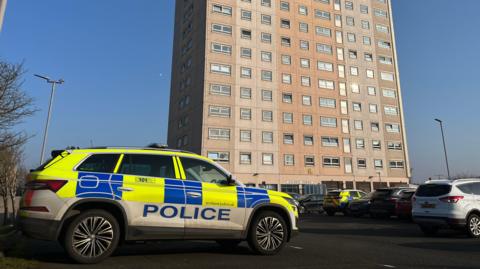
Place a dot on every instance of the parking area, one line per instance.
(324, 242)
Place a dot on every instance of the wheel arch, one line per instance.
(111, 206)
(282, 211)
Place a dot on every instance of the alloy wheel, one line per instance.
(270, 233)
(92, 237)
(475, 225)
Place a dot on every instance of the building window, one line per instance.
(392, 128)
(221, 48)
(221, 69)
(309, 160)
(267, 159)
(389, 93)
(382, 28)
(304, 63)
(266, 38)
(287, 78)
(267, 115)
(284, 23)
(246, 15)
(245, 135)
(222, 29)
(331, 162)
(287, 98)
(219, 134)
(266, 19)
(385, 60)
(218, 89)
(370, 73)
(304, 45)
(286, 59)
(306, 100)
(287, 117)
(390, 110)
(219, 156)
(323, 31)
(284, 6)
(376, 144)
(355, 88)
(371, 90)
(329, 141)
(302, 10)
(245, 113)
(357, 106)
(246, 34)
(267, 57)
(328, 122)
(326, 84)
(395, 145)
(266, 75)
(286, 41)
(365, 25)
(375, 126)
(266, 95)
(350, 21)
(245, 72)
(368, 57)
(349, 5)
(245, 93)
(307, 120)
(384, 44)
(373, 108)
(322, 14)
(225, 10)
(351, 37)
(245, 158)
(360, 143)
(305, 81)
(396, 164)
(327, 102)
(308, 140)
(219, 111)
(303, 27)
(267, 3)
(288, 139)
(363, 9)
(289, 160)
(361, 163)
(358, 124)
(353, 70)
(246, 53)
(325, 66)
(267, 137)
(378, 164)
(324, 48)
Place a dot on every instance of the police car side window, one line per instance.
(100, 163)
(198, 170)
(147, 165)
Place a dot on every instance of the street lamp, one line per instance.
(52, 94)
(444, 146)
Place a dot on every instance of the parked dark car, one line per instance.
(360, 207)
(384, 200)
(312, 203)
(403, 207)
(296, 196)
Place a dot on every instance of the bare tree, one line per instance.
(11, 171)
(15, 104)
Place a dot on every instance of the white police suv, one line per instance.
(93, 199)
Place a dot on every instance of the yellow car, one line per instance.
(93, 199)
(337, 201)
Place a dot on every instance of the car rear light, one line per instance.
(53, 185)
(451, 199)
(35, 208)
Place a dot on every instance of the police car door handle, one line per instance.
(194, 194)
(124, 189)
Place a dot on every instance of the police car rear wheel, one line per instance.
(268, 233)
(92, 236)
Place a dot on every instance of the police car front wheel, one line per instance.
(92, 236)
(268, 233)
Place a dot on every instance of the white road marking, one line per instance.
(296, 247)
(387, 265)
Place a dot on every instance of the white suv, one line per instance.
(448, 204)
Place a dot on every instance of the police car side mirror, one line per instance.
(230, 180)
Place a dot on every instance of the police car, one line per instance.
(91, 200)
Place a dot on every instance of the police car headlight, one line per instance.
(292, 202)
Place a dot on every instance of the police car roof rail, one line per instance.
(144, 148)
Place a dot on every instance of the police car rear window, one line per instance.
(100, 163)
(433, 190)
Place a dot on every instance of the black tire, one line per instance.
(276, 225)
(429, 230)
(229, 244)
(330, 212)
(107, 228)
(473, 225)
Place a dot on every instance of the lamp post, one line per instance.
(3, 6)
(379, 178)
(444, 146)
(52, 94)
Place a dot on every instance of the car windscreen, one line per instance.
(333, 193)
(433, 190)
(407, 195)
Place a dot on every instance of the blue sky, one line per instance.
(115, 57)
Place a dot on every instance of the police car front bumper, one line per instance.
(42, 229)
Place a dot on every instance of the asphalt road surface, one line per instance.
(324, 242)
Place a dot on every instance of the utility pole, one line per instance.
(3, 6)
(52, 94)
(444, 146)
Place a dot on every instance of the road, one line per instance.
(324, 242)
